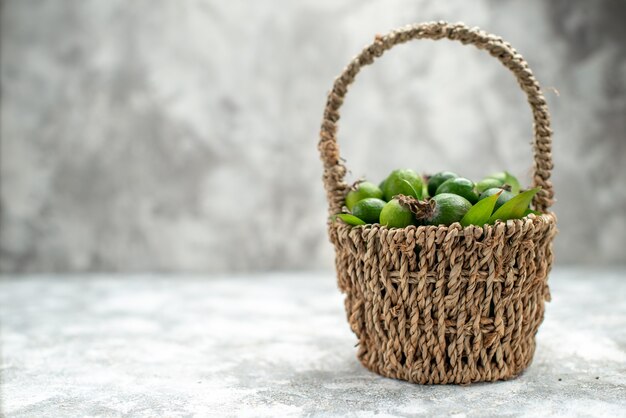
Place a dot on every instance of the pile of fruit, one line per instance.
(406, 198)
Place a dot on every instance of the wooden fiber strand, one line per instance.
(444, 304)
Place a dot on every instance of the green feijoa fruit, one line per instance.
(437, 179)
(505, 196)
(512, 181)
(406, 182)
(368, 209)
(488, 183)
(396, 215)
(443, 208)
(362, 191)
(507, 179)
(459, 186)
(381, 185)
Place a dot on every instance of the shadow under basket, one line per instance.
(444, 304)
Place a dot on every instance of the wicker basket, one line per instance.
(444, 304)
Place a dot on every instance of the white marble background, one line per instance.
(181, 135)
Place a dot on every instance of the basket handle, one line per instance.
(334, 170)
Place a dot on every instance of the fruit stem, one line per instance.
(355, 185)
(422, 209)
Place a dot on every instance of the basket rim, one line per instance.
(541, 219)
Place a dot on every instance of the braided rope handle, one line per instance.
(334, 170)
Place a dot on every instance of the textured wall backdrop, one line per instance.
(181, 135)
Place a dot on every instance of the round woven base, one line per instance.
(420, 377)
(438, 305)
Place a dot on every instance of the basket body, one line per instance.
(446, 304)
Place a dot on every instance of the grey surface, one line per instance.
(275, 345)
(159, 135)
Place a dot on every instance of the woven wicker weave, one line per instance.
(444, 304)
